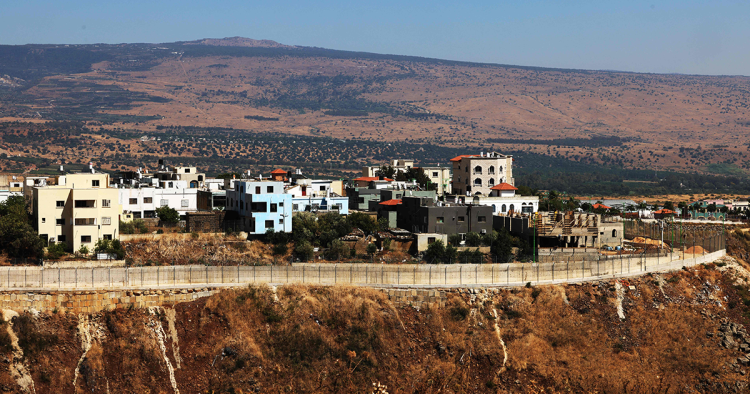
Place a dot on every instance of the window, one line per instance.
(60, 238)
(133, 201)
(60, 204)
(281, 220)
(187, 170)
(107, 236)
(44, 220)
(170, 185)
(430, 240)
(95, 183)
(148, 200)
(482, 219)
(504, 208)
(257, 189)
(477, 182)
(85, 221)
(85, 204)
(512, 208)
(434, 174)
(85, 239)
(440, 219)
(164, 203)
(105, 203)
(478, 170)
(60, 222)
(281, 204)
(106, 220)
(295, 207)
(269, 189)
(269, 223)
(614, 233)
(461, 219)
(274, 208)
(361, 200)
(491, 170)
(338, 206)
(323, 188)
(184, 203)
(491, 182)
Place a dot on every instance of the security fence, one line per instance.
(705, 238)
(514, 274)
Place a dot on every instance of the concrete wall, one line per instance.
(516, 274)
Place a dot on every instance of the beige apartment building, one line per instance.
(477, 174)
(440, 176)
(79, 210)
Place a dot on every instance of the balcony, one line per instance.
(85, 203)
(85, 222)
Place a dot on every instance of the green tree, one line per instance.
(168, 215)
(363, 222)
(304, 251)
(502, 247)
(371, 249)
(669, 205)
(435, 252)
(473, 239)
(55, 251)
(337, 250)
(386, 171)
(17, 236)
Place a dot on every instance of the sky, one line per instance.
(690, 37)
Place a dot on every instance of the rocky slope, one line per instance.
(678, 332)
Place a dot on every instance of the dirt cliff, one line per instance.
(678, 332)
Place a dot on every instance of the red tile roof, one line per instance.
(458, 158)
(372, 178)
(597, 206)
(664, 211)
(391, 202)
(278, 171)
(504, 187)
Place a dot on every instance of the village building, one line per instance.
(77, 210)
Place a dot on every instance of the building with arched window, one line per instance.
(477, 174)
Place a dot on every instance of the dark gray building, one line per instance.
(359, 197)
(423, 215)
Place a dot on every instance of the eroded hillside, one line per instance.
(678, 332)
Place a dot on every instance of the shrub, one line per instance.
(304, 250)
(55, 251)
(372, 249)
(83, 250)
(387, 244)
(167, 215)
(459, 312)
(454, 239)
(337, 250)
(280, 249)
(473, 239)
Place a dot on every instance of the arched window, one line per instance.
(491, 182)
(494, 208)
(614, 233)
(503, 208)
(200, 178)
(193, 184)
(512, 208)
(478, 170)
(501, 169)
(491, 170)
(477, 182)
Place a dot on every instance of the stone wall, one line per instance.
(205, 222)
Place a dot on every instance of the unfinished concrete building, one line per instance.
(577, 229)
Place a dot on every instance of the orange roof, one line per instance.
(278, 171)
(504, 187)
(391, 202)
(458, 158)
(597, 206)
(665, 211)
(372, 178)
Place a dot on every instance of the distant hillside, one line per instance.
(598, 119)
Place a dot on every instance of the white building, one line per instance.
(503, 200)
(142, 202)
(477, 174)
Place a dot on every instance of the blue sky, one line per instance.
(695, 37)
